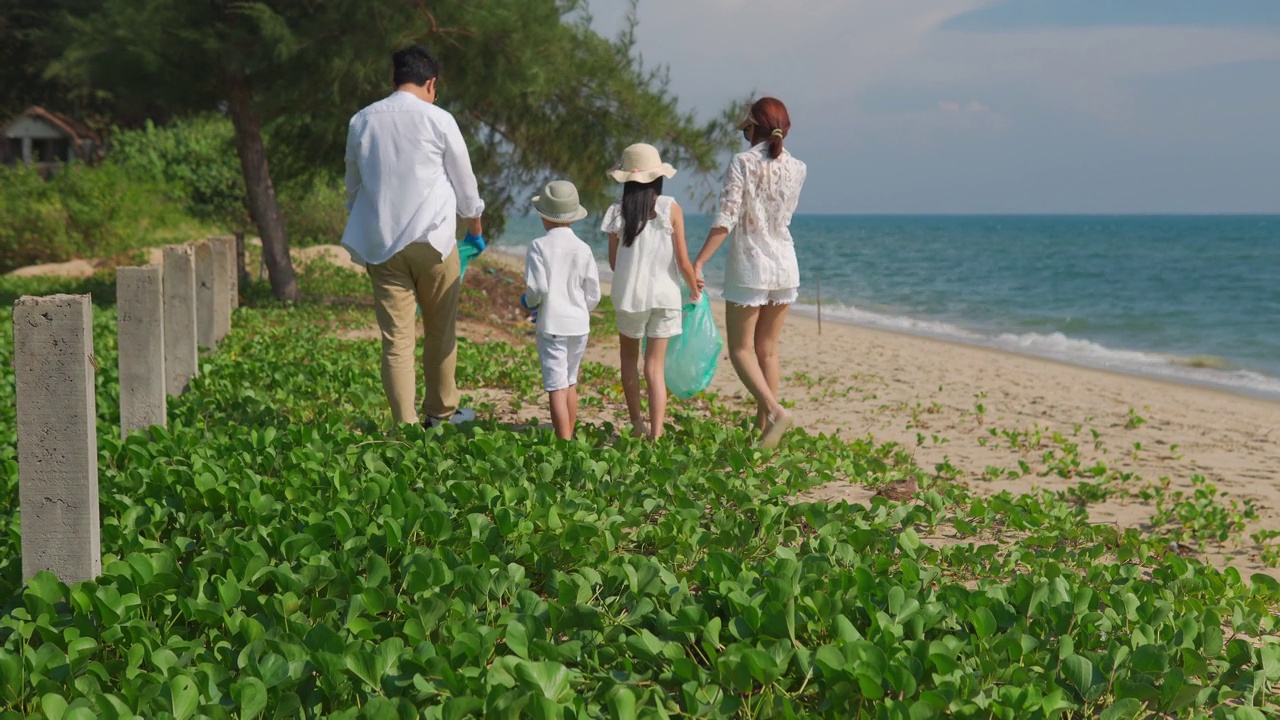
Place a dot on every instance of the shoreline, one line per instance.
(982, 342)
(988, 344)
(1153, 382)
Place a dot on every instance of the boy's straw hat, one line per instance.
(558, 202)
(641, 163)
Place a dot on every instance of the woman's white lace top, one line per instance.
(756, 205)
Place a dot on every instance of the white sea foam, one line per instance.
(899, 323)
(1060, 347)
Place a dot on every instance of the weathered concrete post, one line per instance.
(206, 335)
(181, 360)
(57, 437)
(140, 329)
(224, 255)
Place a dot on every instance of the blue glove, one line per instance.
(525, 302)
(475, 241)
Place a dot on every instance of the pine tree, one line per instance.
(536, 91)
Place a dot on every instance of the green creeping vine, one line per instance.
(273, 555)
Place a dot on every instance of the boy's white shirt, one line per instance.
(562, 281)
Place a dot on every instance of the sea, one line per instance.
(1190, 299)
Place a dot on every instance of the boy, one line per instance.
(563, 285)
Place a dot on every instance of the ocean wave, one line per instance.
(1204, 370)
(885, 321)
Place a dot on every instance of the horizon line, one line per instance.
(1028, 213)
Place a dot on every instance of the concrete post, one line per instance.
(224, 254)
(206, 333)
(242, 274)
(140, 329)
(57, 437)
(181, 360)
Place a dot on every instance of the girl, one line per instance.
(762, 278)
(647, 254)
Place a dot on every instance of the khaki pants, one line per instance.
(417, 277)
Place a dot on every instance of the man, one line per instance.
(408, 179)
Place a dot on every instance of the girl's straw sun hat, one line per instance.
(641, 163)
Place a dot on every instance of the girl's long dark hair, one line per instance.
(638, 201)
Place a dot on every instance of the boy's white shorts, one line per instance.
(560, 356)
(656, 323)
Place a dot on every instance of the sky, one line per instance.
(994, 106)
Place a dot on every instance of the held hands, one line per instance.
(701, 281)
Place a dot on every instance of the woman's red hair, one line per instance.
(770, 116)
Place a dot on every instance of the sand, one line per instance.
(80, 268)
(980, 412)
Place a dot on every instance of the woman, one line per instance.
(762, 278)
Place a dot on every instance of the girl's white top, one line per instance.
(646, 277)
(756, 205)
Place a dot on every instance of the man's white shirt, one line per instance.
(408, 179)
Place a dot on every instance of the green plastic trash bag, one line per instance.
(468, 249)
(692, 355)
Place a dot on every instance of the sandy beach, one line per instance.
(1000, 421)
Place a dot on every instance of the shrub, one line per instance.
(82, 211)
(314, 212)
(33, 222)
(158, 184)
(195, 158)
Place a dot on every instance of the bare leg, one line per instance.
(561, 418)
(573, 408)
(741, 325)
(629, 355)
(768, 333)
(655, 358)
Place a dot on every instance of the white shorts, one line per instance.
(753, 297)
(560, 356)
(657, 323)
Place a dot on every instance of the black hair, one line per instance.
(414, 65)
(638, 201)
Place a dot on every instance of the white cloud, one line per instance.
(812, 52)
(1084, 70)
(883, 79)
(824, 54)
